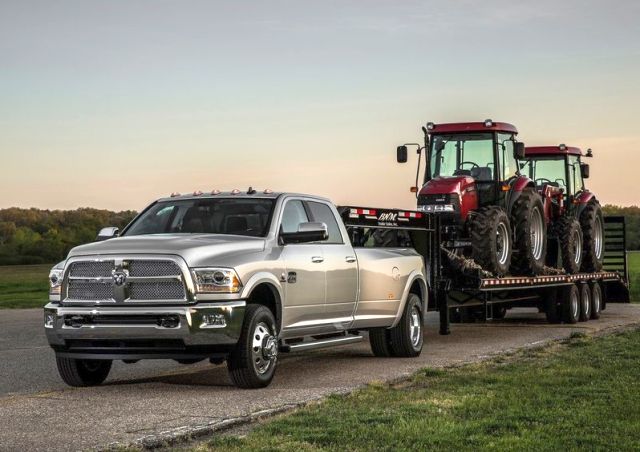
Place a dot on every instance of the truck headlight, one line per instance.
(216, 280)
(55, 280)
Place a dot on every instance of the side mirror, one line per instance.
(307, 232)
(107, 233)
(401, 156)
(584, 170)
(518, 150)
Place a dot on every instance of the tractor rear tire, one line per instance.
(592, 224)
(571, 244)
(490, 233)
(530, 247)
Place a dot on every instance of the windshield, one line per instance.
(546, 171)
(236, 216)
(468, 154)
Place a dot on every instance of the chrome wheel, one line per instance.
(502, 243)
(537, 234)
(597, 237)
(577, 246)
(415, 326)
(264, 350)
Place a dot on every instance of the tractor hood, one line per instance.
(445, 185)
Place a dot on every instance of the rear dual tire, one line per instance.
(406, 338)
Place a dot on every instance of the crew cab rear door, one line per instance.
(341, 264)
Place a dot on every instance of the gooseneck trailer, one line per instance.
(461, 291)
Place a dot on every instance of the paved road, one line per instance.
(37, 412)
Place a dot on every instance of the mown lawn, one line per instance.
(584, 395)
(24, 286)
(633, 261)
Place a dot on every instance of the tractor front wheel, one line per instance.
(530, 248)
(570, 238)
(592, 224)
(491, 239)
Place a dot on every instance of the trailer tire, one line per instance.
(252, 363)
(570, 300)
(83, 372)
(490, 233)
(407, 336)
(498, 312)
(570, 237)
(552, 307)
(596, 300)
(530, 247)
(585, 302)
(592, 224)
(380, 342)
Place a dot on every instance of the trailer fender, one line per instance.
(415, 276)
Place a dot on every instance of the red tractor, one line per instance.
(489, 211)
(576, 228)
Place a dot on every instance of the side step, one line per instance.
(322, 343)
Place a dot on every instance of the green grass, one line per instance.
(633, 261)
(24, 286)
(584, 395)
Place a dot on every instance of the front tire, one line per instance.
(490, 233)
(592, 224)
(252, 363)
(83, 372)
(530, 248)
(571, 244)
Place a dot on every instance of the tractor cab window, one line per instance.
(508, 163)
(547, 171)
(468, 154)
(575, 176)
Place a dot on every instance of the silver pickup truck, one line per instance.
(235, 276)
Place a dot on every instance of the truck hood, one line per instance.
(195, 249)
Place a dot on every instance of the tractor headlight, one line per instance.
(216, 280)
(437, 208)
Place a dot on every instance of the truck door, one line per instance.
(304, 272)
(342, 267)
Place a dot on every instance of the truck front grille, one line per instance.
(125, 281)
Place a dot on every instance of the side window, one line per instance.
(507, 161)
(322, 213)
(575, 174)
(292, 216)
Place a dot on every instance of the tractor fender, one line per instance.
(517, 187)
(581, 200)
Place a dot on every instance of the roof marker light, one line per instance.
(235, 191)
(197, 193)
(430, 126)
(174, 194)
(488, 123)
(562, 147)
(268, 191)
(215, 192)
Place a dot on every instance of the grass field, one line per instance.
(576, 396)
(633, 261)
(24, 286)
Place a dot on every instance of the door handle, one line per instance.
(350, 259)
(317, 259)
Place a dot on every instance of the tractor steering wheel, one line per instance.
(474, 164)
(543, 181)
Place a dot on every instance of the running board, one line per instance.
(322, 343)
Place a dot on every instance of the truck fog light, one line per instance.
(49, 319)
(213, 321)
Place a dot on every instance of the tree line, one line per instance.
(35, 236)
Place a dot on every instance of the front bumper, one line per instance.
(127, 332)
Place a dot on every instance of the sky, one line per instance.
(112, 104)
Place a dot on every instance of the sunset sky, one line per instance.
(111, 104)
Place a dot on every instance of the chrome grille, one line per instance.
(89, 290)
(91, 269)
(145, 280)
(153, 268)
(161, 290)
